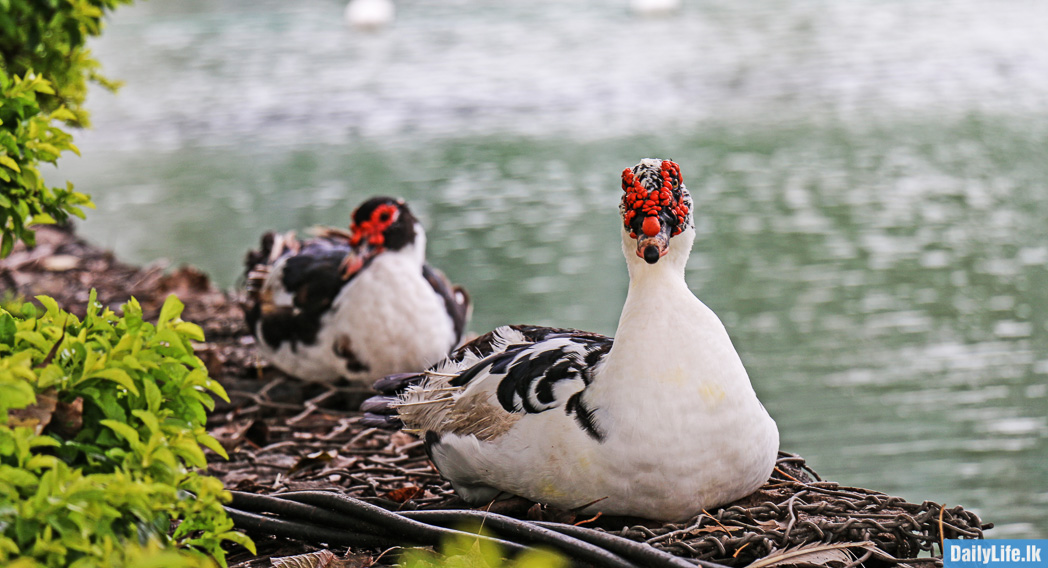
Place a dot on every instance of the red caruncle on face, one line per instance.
(639, 201)
(373, 228)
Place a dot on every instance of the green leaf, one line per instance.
(190, 452)
(35, 339)
(239, 538)
(124, 431)
(108, 403)
(149, 419)
(212, 444)
(10, 163)
(17, 476)
(7, 244)
(13, 395)
(217, 388)
(44, 442)
(62, 113)
(190, 330)
(154, 399)
(42, 86)
(49, 304)
(36, 463)
(540, 558)
(171, 310)
(118, 376)
(170, 341)
(43, 219)
(7, 328)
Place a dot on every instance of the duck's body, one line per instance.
(339, 305)
(660, 422)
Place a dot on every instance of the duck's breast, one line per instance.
(392, 318)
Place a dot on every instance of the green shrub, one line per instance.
(101, 428)
(461, 551)
(29, 136)
(44, 71)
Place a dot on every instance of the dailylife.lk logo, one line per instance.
(1000, 553)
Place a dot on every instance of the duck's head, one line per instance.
(380, 225)
(655, 208)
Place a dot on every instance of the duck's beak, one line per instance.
(653, 238)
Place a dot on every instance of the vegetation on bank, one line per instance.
(101, 439)
(102, 420)
(45, 68)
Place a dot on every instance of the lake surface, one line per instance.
(870, 178)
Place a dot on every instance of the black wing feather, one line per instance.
(456, 300)
(311, 274)
(530, 373)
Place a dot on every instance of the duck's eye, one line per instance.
(384, 217)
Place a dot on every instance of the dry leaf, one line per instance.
(343, 462)
(322, 559)
(318, 559)
(68, 418)
(36, 416)
(404, 494)
(311, 460)
(833, 555)
(772, 525)
(59, 262)
(400, 439)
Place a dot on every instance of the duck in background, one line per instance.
(659, 422)
(359, 304)
(369, 14)
(654, 8)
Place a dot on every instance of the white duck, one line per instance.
(369, 14)
(359, 304)
(660, 422)
(654, 8)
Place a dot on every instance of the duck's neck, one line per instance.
(414, 253)
(658, 295)
(667, 337)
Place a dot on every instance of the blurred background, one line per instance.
(870, 178)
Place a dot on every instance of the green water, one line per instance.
(870, 184)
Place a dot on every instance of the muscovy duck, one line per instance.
(660, 422)
(358, 304)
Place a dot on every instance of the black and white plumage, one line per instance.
(357, 304)
(537, 369)
(660, 422)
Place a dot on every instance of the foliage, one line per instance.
(48, 38)
(101, 428)
(461, 551)
(28, 136)
(44, 71)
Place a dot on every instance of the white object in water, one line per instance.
(654, 7)
(369, 14)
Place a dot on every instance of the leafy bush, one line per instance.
(101, 427)
(44, 70)
(28, 136)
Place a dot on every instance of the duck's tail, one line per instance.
(380, 411)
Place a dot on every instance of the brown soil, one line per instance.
(283, 434)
